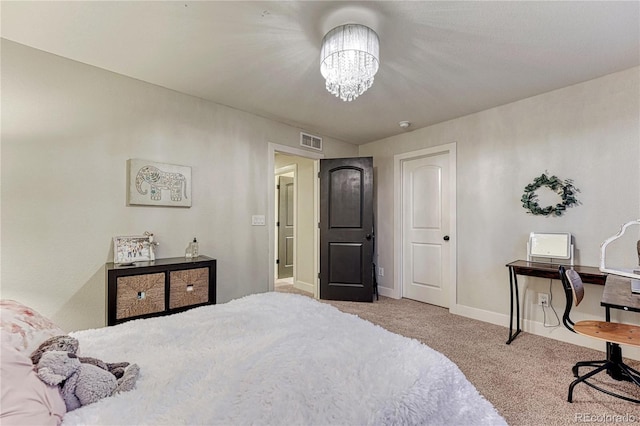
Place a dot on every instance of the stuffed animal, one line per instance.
(82, 384)
(70, 344)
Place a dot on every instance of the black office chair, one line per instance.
(611, 332)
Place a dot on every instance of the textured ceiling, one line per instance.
(439, 60)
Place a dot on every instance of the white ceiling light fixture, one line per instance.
(349, 60)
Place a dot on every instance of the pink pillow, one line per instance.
(26, 400)
(26, 328)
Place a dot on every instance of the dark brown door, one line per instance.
(346, 229)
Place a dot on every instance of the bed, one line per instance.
(277, 359)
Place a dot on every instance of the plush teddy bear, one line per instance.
(70, 344)
(82, 384)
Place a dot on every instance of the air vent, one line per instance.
(310, 141)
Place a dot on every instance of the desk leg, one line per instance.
(513, 286)
(614, 354)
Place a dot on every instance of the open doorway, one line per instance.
(286, 212)
(294, 227)
(302, 246)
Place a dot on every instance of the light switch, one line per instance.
(257, 220)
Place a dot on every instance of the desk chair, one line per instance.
(611, 332)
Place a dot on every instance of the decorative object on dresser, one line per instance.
(165, 286)
(152, 245)
(158, 184)
(192, 249)
(128, 249)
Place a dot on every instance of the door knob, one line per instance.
(446, 238)
(368, 236)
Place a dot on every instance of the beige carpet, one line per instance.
(526, 381)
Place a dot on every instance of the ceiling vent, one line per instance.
(311, 141)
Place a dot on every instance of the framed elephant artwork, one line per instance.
(158, 184)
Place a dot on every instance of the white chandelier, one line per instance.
(349, 59)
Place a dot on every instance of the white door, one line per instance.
(425, 229)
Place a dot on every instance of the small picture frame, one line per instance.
(131, 248)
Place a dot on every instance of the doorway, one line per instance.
(425, 225)
(304, 242)
(285, 223)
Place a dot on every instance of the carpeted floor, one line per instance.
(526, 381)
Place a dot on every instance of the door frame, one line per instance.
(274, 148)
(398, 161)
(292, 168)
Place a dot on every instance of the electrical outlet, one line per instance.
(543, 299)
(380, 271)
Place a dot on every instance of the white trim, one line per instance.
(387, 292)
(398, 160)
(559, 333)
(286, 169)
(304, 286)
(285, 149)
(534, 327)
(316, 233)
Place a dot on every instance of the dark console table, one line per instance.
(159, 287)
(589, 274)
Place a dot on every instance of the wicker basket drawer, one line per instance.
(159, 287)
(140, 295)
(188, 287)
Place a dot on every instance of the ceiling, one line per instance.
(439, 60)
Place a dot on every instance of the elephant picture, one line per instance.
(149, 180)
(159, 180)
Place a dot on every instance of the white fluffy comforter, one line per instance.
(277, 359)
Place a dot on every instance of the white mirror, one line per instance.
(633, 273)
(550, 245)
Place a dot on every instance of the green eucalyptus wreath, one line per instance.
(564, 188)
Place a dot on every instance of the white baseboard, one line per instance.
(557, 333)
(388, 292)
(304, 286)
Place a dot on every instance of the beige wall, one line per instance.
(68, 129)
(589, 132)
(67, 132)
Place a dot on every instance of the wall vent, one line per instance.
(311, 141)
